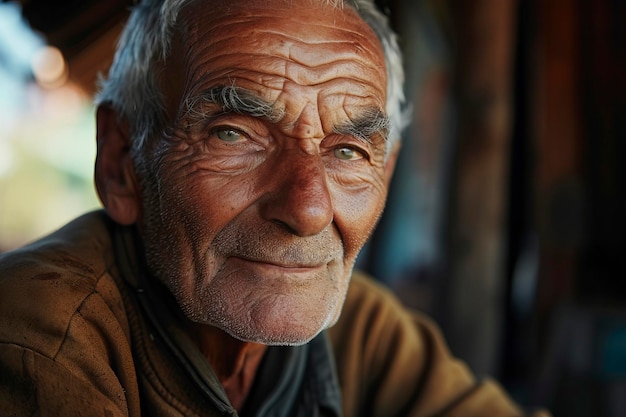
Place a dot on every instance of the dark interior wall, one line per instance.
(579, 125)
(552, 293)
(454, 171)
(603, 96)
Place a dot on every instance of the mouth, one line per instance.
(291, 267)
(275, 272)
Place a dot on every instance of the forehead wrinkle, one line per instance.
(307, 51)
(357, 48)
(280, 66)
(324, 73)
(311, 57)
(268, 82)
(344, 19)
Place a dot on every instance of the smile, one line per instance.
(276, 264)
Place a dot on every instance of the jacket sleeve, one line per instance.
(64, 348)
(32, 384)
(392, 362)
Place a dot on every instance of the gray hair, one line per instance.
(132, 87)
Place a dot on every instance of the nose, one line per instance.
(299, 197)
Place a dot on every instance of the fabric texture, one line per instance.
(76, 339)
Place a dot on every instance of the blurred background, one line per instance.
(506, 214)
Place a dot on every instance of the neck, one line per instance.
(235, 362)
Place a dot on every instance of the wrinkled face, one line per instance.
(272, 174)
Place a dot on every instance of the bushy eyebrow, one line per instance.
(230, 99)
(371, 122)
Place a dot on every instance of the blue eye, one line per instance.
(228, 135)
(347, 154)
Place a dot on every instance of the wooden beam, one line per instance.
(484, 36)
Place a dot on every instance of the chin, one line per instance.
(280, 339)
(282, 329)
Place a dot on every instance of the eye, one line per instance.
(228, 135)
(348, 154)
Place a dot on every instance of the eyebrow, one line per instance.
(371, 121)
(232, 99)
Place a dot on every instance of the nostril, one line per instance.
(285, 226)
(300, 211)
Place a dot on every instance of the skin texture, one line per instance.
(254, 223)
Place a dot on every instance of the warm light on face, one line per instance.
(49, 67)
(258, 215)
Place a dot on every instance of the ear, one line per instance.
(114, 173)
(390, 162)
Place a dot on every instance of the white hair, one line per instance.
(132, 87)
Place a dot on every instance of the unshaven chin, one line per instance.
(279, 313)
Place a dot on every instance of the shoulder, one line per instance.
(393, 361)
(365, 292)
(63, 325)
(377, 310)
(45, 284)
(373, 320)
(382, 350)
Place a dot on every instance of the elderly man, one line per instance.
(244, 154)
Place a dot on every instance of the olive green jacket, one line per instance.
(75, 341)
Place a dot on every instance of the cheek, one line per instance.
(356, 215)
(202, 200)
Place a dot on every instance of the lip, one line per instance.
(266, 263)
